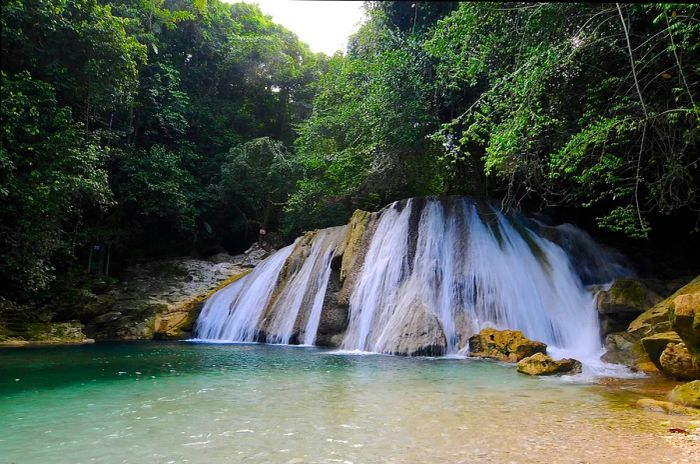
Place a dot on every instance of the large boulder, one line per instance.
(675, 361)
(541, 364)
(504, 345)
(657, 319)
(687, 394)
(646, 338)
(420, 334)
(655, 344)
(619, 305)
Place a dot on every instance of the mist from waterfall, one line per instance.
(445, 268)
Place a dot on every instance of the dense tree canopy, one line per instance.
(578, 105)
(178, 126)
(121, 120)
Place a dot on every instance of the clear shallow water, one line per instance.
(182, 402)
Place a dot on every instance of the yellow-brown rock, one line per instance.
(685, 320)
(676, 361)
(504, 345)
(541, 364)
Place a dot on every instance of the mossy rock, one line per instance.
(46, 333)
(626, 296)
(541, 364)
(687, 394)
(177, 323)
(657, 319)
(504, 345)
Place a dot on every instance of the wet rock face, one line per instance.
(687, 394)
(504, 345)
(541, 364)
(334, 316)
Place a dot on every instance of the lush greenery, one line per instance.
(132, 123)
(578, 105)
(175, 126)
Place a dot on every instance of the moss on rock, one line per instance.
(504, 345)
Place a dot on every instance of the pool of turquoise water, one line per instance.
(177, 402)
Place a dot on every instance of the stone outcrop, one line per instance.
(160, 299)
(254, 255)
(504, 345)
(687, 394)
(655, 344)
(671, 321)
(541, 364)
(625, 300)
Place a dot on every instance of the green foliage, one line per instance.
(50, 170)
(258, 176)
(118, 116)
(561, 115)
(366, 138)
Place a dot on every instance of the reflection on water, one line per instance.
(178, 402)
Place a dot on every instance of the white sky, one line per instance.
(325, 25)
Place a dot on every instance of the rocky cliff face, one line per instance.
(158, 299)
(664, 338)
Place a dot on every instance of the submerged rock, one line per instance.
(666, 407)
(687, 394)
(541, 364)
(504, 345)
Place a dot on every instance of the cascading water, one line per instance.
(256, 307)
(432, 273)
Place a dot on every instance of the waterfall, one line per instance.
(433, 271)
(259, 307)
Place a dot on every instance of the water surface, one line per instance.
(181, 402)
